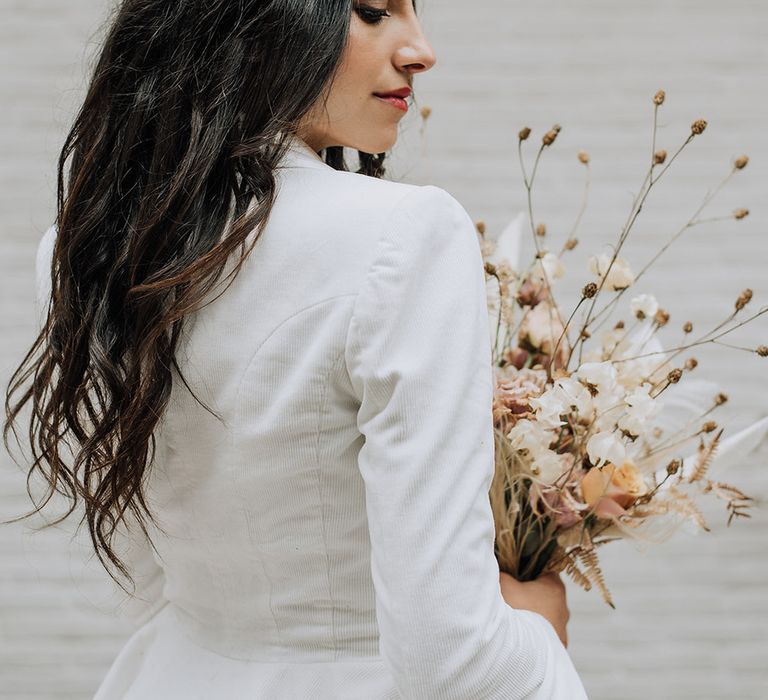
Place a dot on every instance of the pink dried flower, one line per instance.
(563, 507)
(512, 393)
(531, 293)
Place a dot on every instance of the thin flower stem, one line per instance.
(498, 320)
(650, 494)
(649, 173)
(655, 131)
(698, 419)
(579, 342)
(566, 326)
(625, 336)
(536, 164)
(584, 200)
(424, 149)
(662, 390)
(522, 162)
(671, 160)
(703, 341)
(690, 224)
(706, 337)
(509, 330)
(634, 213)
(713, 219)
(516, 330)
(734, 347)
(545, 276)
(666, 446)
(507, 338)
(622, 238)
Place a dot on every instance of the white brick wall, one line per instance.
(691, 614)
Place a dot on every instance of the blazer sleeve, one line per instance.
(128, 542)
(148, 598)
(419, 357)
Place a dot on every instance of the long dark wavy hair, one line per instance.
(171, 157)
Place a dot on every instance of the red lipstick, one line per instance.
(395, 97)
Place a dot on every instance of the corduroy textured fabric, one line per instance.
(331, 536)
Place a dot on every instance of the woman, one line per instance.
(291, 468)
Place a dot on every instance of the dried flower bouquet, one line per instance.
(590, 447)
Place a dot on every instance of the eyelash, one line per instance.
(371, 15)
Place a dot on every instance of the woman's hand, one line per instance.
(544, 595)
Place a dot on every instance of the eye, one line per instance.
(371, 15)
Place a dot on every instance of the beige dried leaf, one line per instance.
(590, 561)
(577, 575)
(732, 491)
(704, 458)
(687, 507)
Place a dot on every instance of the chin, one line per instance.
(380, 144)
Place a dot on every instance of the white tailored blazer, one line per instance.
(328, 534)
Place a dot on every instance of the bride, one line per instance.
(267, 376)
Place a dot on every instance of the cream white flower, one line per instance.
(633, 373)
(531, 436)
(593, 353)
(644, 306)
(566, 396)
(542, 327)
(607, 415)
(550, 265)
(602, 378)
(609, 341)
(606, 447)
(632, 370)
(641, 407)
(549, 407)
(619, 276)
(548, 465)
(576, 396)
(601, 375)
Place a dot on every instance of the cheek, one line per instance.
(360, 65)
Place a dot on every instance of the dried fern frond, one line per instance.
(734, 508)
(589, 559)
(726, 490)
(732, 495)
(687, 506)
(640, 513)
(704, 458)
(572, 569)
(605, 540)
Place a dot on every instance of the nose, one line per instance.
(415, 54)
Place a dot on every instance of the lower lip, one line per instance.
(397, 102)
